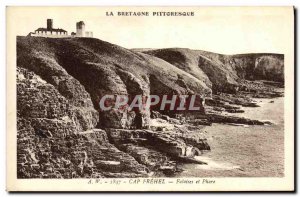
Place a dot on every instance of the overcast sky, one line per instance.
(229, 31)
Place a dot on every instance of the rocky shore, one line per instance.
(62, 133)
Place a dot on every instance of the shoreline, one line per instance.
(267, 143)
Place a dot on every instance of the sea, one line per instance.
(245, 150)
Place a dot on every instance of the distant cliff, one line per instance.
(223, 72)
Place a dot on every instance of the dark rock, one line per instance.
(160, 129)
(217, 118)
(235, 110)
(165, 117)
(155, 114)
(169, 143)
(199, 122)
(174, 121)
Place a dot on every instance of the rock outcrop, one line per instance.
(56, 138)
(59, 85)
(102, 68)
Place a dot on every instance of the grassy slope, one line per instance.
(103, 68)
(85, 52)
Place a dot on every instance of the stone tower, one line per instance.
(80, 29)
(49, 24)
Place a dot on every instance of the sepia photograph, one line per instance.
(150, 98)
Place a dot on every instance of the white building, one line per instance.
(89, 34)
(61, 33)
(49, 31)
(80, 31)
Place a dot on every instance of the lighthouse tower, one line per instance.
(80, 29)
(49, 24)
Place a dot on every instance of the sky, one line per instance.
(230, 30)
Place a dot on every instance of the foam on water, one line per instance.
(212, 165)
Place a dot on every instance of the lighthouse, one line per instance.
(80, 29)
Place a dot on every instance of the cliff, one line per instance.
(102, 68)
(59, 85)
(62, 132)
(223, 72)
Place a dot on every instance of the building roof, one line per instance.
(55, 30)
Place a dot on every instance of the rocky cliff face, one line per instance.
(224, 72)
(62, 132)
(102, 68)
(56, 136)
(59, 85)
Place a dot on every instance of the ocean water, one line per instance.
(245, 151)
